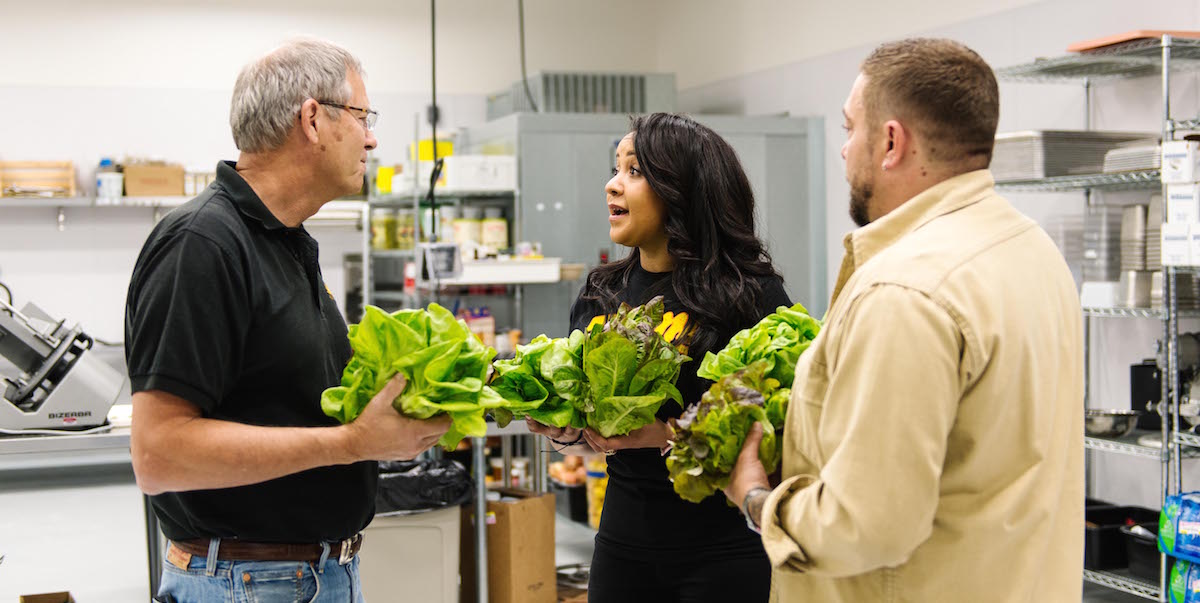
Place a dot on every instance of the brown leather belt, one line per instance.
(236, 550)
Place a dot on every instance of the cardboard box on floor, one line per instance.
(520, 551)
(64, 597)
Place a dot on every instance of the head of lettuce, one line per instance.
(445, 364)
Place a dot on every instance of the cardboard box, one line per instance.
(520, 543)
(64, 597)
(153, 180)
(1183, 203)
(1180, 161)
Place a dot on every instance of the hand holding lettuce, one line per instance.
(753, 374)
(445, 364)
(709, 436)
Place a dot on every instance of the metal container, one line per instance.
(1110, 423)
(1134, 291)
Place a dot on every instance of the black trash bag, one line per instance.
(422, 485)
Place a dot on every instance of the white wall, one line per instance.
(818, 85)
(83, 80)
(707, 40)
(191, 44)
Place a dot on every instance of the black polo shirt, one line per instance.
(227, 309)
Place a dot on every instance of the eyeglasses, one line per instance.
(367, 117)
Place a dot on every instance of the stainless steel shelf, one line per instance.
(1186, 124)
(393, 253)
(1127, 446)
(1155, 313)
(1117, 181)
(1131, 59)
(1123, 583)
(1190, 440)
(406, 199)
(46, 202)
(392, 296)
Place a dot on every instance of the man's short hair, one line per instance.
(268, 92)
(941, 89)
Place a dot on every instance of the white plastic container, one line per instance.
(411, 557)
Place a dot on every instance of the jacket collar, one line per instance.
(938, 200)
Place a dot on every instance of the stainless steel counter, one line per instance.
(45, 452)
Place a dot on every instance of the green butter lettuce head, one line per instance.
(629, 370)
(778, 339)
(709, 436)
(445, 364)
(543, 381)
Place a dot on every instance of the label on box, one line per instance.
(1179, 161)
(1183, 203)
(1176, 245)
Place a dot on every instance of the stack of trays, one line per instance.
(1037, 154)
(1101, 243)
(1067, 232)
(1133, 157)
(1133, 238)
(1154, 220)
(1187, 291)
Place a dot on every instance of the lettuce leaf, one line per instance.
(709, 436)
(630, 370)
(445, 364)
(544, 381)
(778, 339)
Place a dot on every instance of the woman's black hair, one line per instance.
(720, 263)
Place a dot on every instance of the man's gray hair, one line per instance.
(269, 91)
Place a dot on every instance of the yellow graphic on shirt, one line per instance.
(674, 328)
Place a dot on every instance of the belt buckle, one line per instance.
(346, 555)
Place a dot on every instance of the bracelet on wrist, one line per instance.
(571, 443)
(750, 521)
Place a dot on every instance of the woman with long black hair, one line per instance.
(680, 198)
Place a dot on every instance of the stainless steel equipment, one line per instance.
(60, 385)
(1110, 423)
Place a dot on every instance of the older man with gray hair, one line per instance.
(231, 336)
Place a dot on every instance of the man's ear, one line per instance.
(310, 115)
(899, 141)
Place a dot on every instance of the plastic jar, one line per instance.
(110, 183)
(405, 230)
(383, 228)
(493, 231)
(468, 231)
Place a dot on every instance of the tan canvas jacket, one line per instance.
(933, 449)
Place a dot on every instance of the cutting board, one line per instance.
(1137, 34)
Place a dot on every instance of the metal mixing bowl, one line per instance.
(1109, 423)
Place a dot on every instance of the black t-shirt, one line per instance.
(227, 309)
(643, 516)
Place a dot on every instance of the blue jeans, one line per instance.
(261, 582)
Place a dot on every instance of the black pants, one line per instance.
(618, 579)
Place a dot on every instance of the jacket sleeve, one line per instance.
(894, 384)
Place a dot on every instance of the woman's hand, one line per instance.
(655, 435)
(561, 435)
